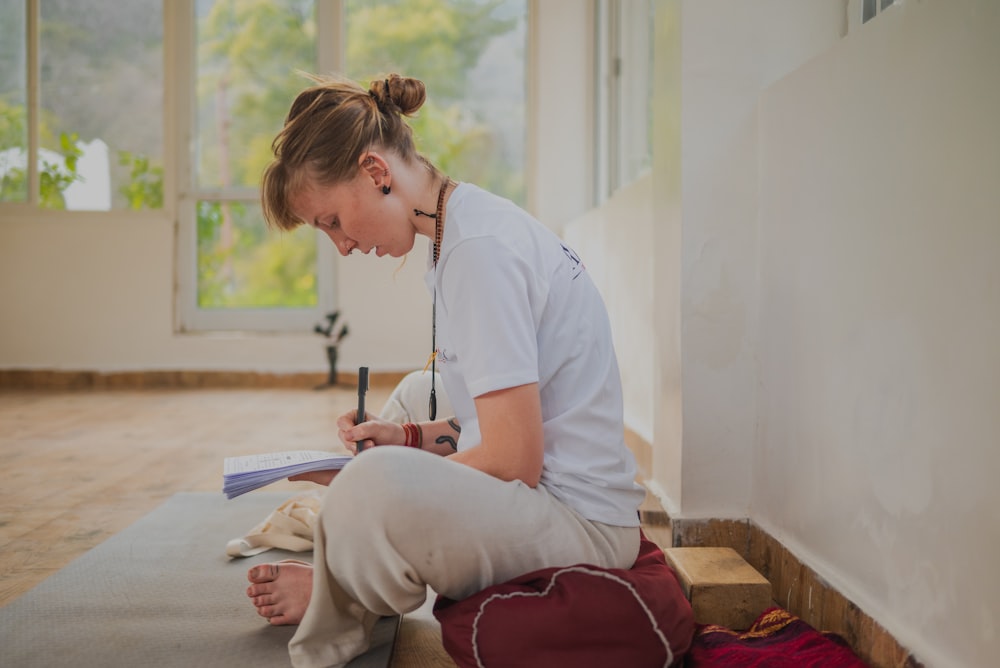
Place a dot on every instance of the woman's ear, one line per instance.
(374, 167)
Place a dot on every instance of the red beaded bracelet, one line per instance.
(413, 435)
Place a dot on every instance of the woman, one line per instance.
(532, 470)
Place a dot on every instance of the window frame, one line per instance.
(622, 127)
(181, 26)
(30, 207)
(180, 195)
(860, 12)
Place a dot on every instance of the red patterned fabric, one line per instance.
(579, 616)
(778, 639)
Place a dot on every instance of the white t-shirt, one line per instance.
(515, 305)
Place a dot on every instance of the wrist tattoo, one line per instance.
(451, 441)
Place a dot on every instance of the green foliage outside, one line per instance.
(249, 51)
(248, 54)
(439, 43)
(268, 273)
(144, 188)
(54, 178)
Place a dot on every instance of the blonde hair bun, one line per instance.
(404, 94)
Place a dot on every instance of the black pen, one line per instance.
(362, 388)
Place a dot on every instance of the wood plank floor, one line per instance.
(80, 466)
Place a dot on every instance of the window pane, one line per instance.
(471, 56)
(867, 10)
(248, 55)
(242, 265)
(13, 102)
(636, 103)
(101, 93)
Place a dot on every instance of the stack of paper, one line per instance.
(243, 474)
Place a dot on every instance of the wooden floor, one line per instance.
(77, 467)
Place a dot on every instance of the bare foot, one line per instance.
(280, 591)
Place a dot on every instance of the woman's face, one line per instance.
(357, 215)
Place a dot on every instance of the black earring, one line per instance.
(385, 190)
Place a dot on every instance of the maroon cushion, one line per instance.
(579, 616)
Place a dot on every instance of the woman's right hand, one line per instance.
(374, 431)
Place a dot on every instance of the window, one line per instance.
(469, 54)
(166, 109)
(234, 272)
(92, 138)
(862, 11)
(13, 101)
(624, 87)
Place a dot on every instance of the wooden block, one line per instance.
(722, 587)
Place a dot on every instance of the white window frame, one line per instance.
(30, 208)
(623, 65)
(180, 33)
(179, 194)
(860, 12)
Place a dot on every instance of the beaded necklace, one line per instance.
(438, 232)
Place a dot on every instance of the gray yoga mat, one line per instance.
(162, 593)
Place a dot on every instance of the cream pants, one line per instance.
(397, 520)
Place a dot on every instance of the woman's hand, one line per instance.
(373, 431)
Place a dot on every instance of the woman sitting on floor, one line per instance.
(532, 470)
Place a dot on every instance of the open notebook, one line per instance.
(243, 474)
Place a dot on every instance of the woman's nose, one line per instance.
(343, 244)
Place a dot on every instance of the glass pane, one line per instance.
(867, 10)
(248, 55)
(636, 103)
(471, 56)
(243, 265)
(13, 101)
(101, 125)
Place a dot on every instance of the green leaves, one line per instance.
(144, 189)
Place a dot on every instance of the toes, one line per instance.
(275, 617)
(268, 611)
(263, 573)
(259, 590)
(263, 599)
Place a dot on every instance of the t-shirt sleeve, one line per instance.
(491, 296)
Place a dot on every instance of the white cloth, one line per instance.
(288, 527)
(515, 305)
(409, 400)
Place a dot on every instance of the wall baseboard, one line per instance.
(53, 380)
(797, 588)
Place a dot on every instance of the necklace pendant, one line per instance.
(430, 359)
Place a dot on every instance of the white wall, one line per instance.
(826, 239)
(880, 323)
(561, 98)
(96, 294)
(682, 242)
(615, 243)
(730, 51)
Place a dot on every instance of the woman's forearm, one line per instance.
(440, 436)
